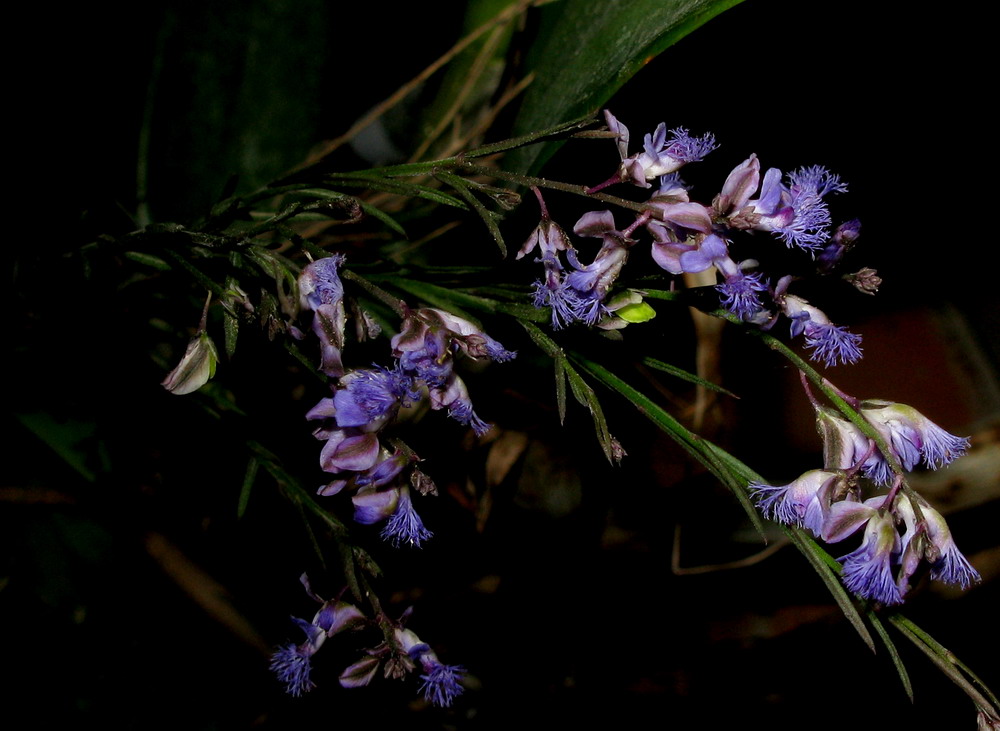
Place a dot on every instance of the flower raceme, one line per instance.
(826, 502)
(911, 436)
(689, 238)
(366, 401)
(293, 663)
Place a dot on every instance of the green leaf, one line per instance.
(384, 217)
(730, 471)
(391, 185)
(673, 370)
(560, 368)
(489, 217)
(441, 297)
(585, 395)
(875, 622)
(587, 50)
(149, 260)
(818, 558)
(248, 480)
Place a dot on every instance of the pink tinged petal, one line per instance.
(196, 367)
(372, 506)
(337, 617)
(668, 255)
(619, 129)
(332, 489)
(740, 185)
(352, 454)
(692, 216)
(844, 518)
(595, 224)
(867, 571)
(410, 337)
(950, 565)
(360, 673)
(323, 410)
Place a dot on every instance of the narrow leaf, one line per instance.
(248, 480)
(489, 218)
(149, 260)
(684, 375)
(703, 451)
(585, 395)
(904, 677)
(560, 368)
(398, 187)
(810, 550)
(384, 217)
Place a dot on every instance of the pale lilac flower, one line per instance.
(796, 212)
(867, 571)
(293, 663)
(196, 367)
(739, 289)
(404, 525)
(441, 683)
(661, 154)
(805, 502)
(393, 505)
(843, 240)
(830, 343)
(948, 564)
(369, 395)
(321, 291)
(912, 435)
(548, 237)
(740, 185)
(846, 448)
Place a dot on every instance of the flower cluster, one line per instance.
(688, 237)
(828, 502)
(402, 652)
(293, 663)
(366, 401)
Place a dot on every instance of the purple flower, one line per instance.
(796, 212)
(846, 448)
(293, 663)
(661, 154)
(947, 562)
(441, 683)
(804, 502)
(828, 342)
(739, 186)
(739, 291)
(867, 571)
(912, 435)
(293, 667)
(404, 526)
(369, 395)
(321, 291)
(843, 240)
(553, 292)
(548, 237)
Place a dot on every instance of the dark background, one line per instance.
(563, 607)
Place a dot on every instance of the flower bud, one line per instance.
(195, 368)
